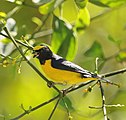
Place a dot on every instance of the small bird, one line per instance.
(59, 70)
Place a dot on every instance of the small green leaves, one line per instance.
(5, 40)
(83, 20)
(95, 51)
(63, 39)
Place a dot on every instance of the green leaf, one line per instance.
(95, 51)
(83, 20)
(81, 3)
(47, 8)
(121, 57)
(68, 103)
(5, 40)
(37, 21)
(108, 3)
(63, 39)
(3, 14)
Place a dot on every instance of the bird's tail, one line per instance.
(95, 76)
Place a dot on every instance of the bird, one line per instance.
(60, 70)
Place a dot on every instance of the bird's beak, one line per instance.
(36, 54)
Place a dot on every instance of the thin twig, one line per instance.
(113, 73)
(18, 48)
(79, 86)
(103, 101)
(54, 108)
(66, 92)
(95, 107)
(18, 41)
(51, 100)
(35, 108)
(96, 65)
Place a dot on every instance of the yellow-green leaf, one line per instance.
(83, 20)
(37, 21)
(47, 8)
(95, 51)
(63, 39)
(3, 14)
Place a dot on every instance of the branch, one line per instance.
(33, 67)
(54, 108)
(103, 102)
(61, 93)
(39, 27)
(18, 41)
(113, 73)
(77, 87)
(35, 108)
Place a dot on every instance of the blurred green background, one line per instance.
(105, 33)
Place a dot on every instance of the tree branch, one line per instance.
(103, 102)
(35, 108)
(113, 73)
(54, 108)
(40, 74)
(18, 41)
(61, 93)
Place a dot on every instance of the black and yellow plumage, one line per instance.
(59, 69)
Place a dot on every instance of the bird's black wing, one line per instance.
(62, 64)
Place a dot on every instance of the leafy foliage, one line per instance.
(83, 20)
(95, 51)
(44, 21)
(63, 37)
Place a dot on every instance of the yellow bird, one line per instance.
(60, 70)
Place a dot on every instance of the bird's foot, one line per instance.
(50, 84)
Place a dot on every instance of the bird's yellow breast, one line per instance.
(62, 76)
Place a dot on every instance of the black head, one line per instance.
(43, 53)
